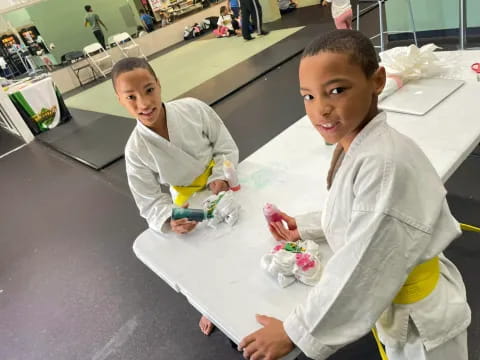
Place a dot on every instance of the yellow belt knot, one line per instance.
(419, 284)
(185, 192)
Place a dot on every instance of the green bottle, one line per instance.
(190, 214)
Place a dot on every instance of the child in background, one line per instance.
(386, 220)
(180, 144)
(286, 6)
(227, 21)
(234, 8)
(341, 13)
(147, 20)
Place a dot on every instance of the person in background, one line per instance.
(164, 18)
(93, 20)
(234, 7)
(147, 21)
(254, 9)
(341, 13)
(286, 6)
(225, 20)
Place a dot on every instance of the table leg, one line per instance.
(462, 23)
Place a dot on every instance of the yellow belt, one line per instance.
(466, 227)
(419, 284)
(185, 192)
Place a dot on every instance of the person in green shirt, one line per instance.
(93, 20)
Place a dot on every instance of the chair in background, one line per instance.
(127, 45)
(100, 59)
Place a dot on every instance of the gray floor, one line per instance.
(8, 141)
(70, 285)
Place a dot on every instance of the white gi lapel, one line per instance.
(169, 160)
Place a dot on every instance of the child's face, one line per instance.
(139, 92)
(339, 98)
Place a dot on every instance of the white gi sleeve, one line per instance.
(221, 140)
(310, 226)
(358, 283)
(154, 205)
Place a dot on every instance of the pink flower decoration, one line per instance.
(278, 248)
(304, 261)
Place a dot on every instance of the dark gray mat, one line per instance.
(80, 119)
(476, 151)
(70, 284)
(255, 114)
(240, 75)
(465, 253)
(465, 181)
(116, 175)
(92, 138)
(8, 141)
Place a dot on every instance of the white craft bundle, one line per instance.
(226, 210)
(406, 63)
(282, 265)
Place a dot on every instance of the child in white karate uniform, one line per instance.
(181, 144)
(386, 220)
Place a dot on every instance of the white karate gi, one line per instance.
(197, 135)
(339, 7)
(386, 212)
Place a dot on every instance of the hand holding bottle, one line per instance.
(183, 225)
(217, 186)
(276, 219)
(280, 232)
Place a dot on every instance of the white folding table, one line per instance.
(219, 271)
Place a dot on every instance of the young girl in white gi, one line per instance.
(181, 144)
(229, 22)
(386, 220)
(341, 13)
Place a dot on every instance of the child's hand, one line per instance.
(217, 186)
(279, 231)
(182, 226)
(325, 3)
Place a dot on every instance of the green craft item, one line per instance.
(212, 206)
(292, 247)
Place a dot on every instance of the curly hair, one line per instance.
(349, 42)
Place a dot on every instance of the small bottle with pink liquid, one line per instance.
(271, 213)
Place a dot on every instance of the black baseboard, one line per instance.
(434, 34)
